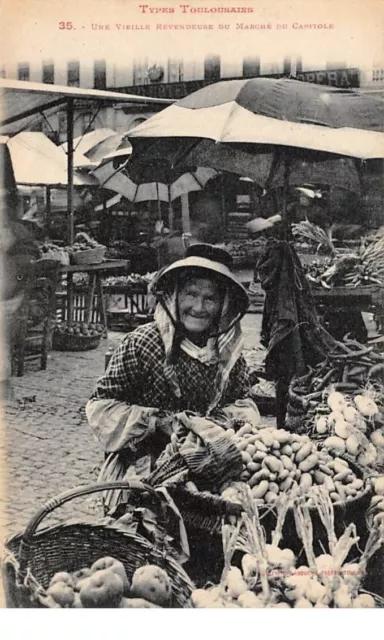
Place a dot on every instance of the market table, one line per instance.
(96, 274)
(364, 298)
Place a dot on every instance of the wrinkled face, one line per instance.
(199, 304)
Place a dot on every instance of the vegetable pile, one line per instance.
(277, 461)
(342, 400)
(272, 577)
(365, 267)
(80, 329)
(105, 585)
(83, 242)
(132, 278)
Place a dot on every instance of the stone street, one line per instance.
(49, 447)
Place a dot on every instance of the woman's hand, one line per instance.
(165, 424)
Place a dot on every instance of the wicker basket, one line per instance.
(32, 558)
(89, 256)
(74, 342)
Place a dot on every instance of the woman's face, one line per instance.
(199, 304)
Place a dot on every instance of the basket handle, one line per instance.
(58, 501)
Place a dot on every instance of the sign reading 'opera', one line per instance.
(344, 78)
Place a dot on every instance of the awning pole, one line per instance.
(48, 210)
(70, 170)
(185, 213)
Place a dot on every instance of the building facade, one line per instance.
(169, 78)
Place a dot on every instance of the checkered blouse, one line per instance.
(135, 375)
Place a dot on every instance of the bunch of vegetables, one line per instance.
(353, 425)
(83, 242)
(375, 515)
(342, 399)
(277, 461)
(310, 232)
(80, 329)
(362, 268)
(132, 278)
(269, 576)
(51, 251)
(105, 585)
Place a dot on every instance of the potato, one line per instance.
(261, 489)
(341, 476)
(260, 446)
(152, 583)
(257, 477)
(287, 462)
(287, 450)
(251, 450)
(304, 452)
(283, 475)
(305, 482)
(286, 484)
(246, 457)
(319, 476)
(309, 463)
(247, 428)
(274, 465)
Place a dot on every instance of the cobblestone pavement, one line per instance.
(49, 446)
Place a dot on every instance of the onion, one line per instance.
(314, 590)
(368, 455)
(342, 597)
(350, 414)
(325, 564)
(336, 401)
(335, 416)
(274, 555)
(342, 429)
(287, 559)
(378, 485)
(322, 425)
(202, 599)
(249, 600)
(364, 601)
(351, 573)
(377, 438)
(367, 407)
(336, 443)
(236, 584)
(303, 603)
(249, 565)
(353, 445)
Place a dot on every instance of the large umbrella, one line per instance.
(280, 112)
(264, 128)
(37, 160)
(95, 145)
(138, 186)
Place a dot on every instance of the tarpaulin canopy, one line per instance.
(37, 160)
(20, 100)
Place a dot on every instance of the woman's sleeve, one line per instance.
(116, 423)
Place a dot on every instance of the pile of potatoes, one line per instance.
(277, 461)
(106, 585)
